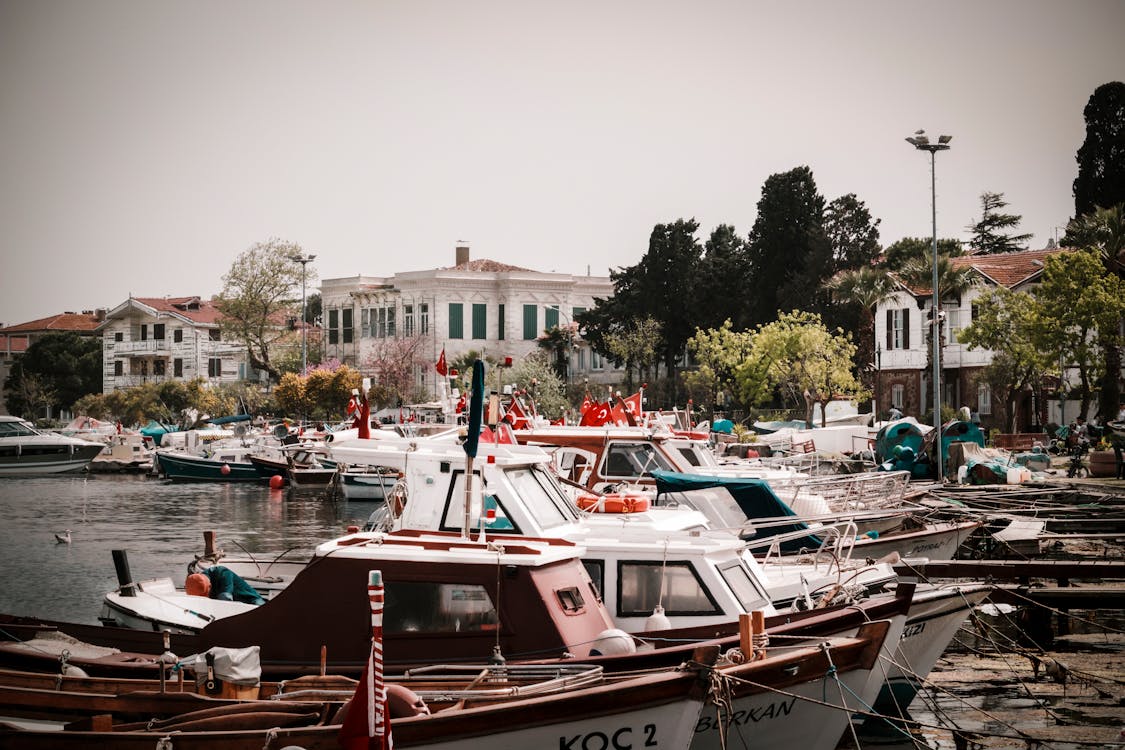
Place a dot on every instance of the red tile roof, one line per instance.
(193, 308)
(1002, 269)
(68, 321)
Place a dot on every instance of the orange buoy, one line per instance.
(277, 482)
(224, 469)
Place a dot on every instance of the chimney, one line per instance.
(462, 255)
(100, 314)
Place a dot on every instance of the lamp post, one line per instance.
(304, 260)
(922, 142)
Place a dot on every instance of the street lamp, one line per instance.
(921, 142)
(304, 260)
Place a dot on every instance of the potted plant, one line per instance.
(1101, 461)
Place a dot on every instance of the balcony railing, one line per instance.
(152, 346)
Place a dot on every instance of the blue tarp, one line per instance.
(725, 426)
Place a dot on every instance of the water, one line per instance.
(160, 525)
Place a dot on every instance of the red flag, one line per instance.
(633, 405)
(461, 403)
(596, 415)
(618, 415)
(516, 416)
(364, 417)
(367, 725)
(440, 365)
(587, 402)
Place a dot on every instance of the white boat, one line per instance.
(27, 450)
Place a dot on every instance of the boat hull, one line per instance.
(365, 486)
(186, 468)
(46, 458)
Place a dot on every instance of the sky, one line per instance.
(145, 144)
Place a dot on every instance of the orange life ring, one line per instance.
(614, 502)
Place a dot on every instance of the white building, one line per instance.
(153, 339)
(493, 308)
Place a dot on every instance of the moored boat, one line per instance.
(26, 450)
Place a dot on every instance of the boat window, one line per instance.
(596, 570)
(689, 455)
(571, 599)
(540, 495)
(674, 585)
(427, 607)
(455, 507)
(716, 503)
(17, 428)
(743, 585)
(630, 460)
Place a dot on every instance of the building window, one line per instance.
(119, 336)
(178, 335)
(144, 368)
(143, 333)
(530, 322)
(595, 360)
(177, 368)
(334, 326)
(898, 390)
(456, 320)
(390, 322)
(424, 318)
(214, 367)
(408, 320)
(898, 328)
(158, 367)
(500, 322)
(214, 334)
(158, 331)
(118, 368)
(551, 318)
(346, 325)
(984, 399)
(480, 321)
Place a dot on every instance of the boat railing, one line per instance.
(851, 491)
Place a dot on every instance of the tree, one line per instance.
(536, 375)
(789, 251)
(60, 368)
(557, 341)
(901, 253)
(1005, 322)
(798, 355)
(852, 233)
(1104, 231)
(1101, 158)
(258, 296)
(637, 346)
(1080, 307)
(864, 288)
(989, 235)
(722, 281)
(394, 362)
(719, 352)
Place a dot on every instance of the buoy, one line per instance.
(224, 469)
(657, 620)
(613, 641)
(276, 481)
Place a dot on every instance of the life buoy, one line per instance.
(614, 502)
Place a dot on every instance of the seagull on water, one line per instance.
(63, 538)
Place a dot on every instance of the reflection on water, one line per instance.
(160, 524)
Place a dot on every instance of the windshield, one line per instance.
(541, 495)
(631, 460)
(17, 428)
(716, 503)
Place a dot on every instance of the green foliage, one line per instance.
(1101, 158)
(55, 371)
(789, 251)
(722, 280)
(536, 374)
(719, 353)
(636, 346)
(852, 233)
(557, 341)
(394, 363)
(953, 281)
(908, 249)
(258, 295)
(989, 235)
(799, 356)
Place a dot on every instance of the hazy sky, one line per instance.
(145, 144)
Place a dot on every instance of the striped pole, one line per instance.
(377, 723)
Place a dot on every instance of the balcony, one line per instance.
(131, 348)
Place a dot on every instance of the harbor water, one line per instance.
(161, 526)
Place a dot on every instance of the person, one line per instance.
(220, 582)
(895, 414)
(1081, 430)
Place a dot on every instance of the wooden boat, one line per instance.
(664, 707)
(224, 465)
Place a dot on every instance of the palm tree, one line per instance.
(866, 286)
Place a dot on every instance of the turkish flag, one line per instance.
(367, 725)
(440, 365)
(596, 415)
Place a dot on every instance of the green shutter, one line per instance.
(530, 322)
(550, 318)
(456, 321)
(480, 321)
(500, 323)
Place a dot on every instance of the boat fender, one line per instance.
(613, 642)
(401, 702)
(224, 469)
